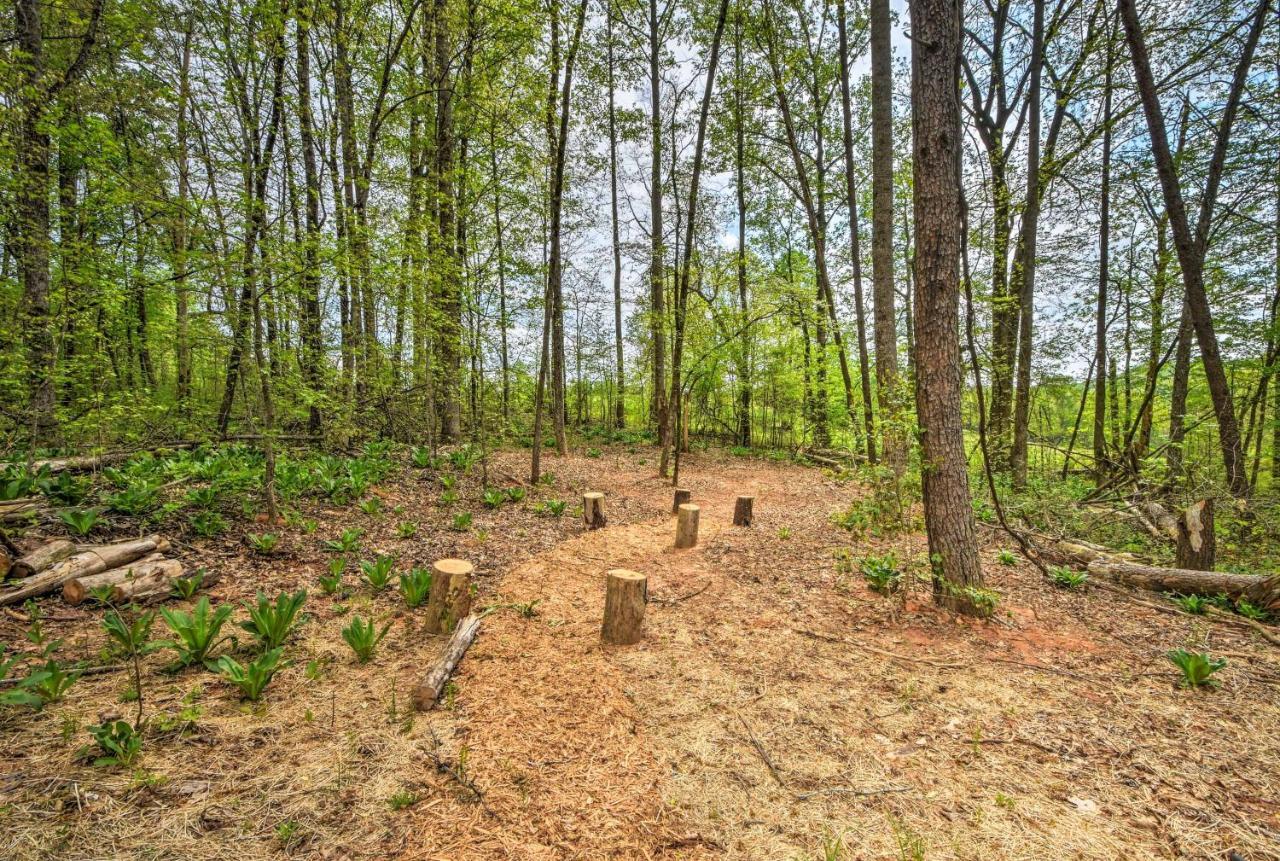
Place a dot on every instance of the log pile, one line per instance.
(134, 570)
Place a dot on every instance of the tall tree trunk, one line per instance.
(657, 310)
(936, 136)
(503, 321)
(620, 394)
(740, 186)
(1155, 343)
(312, 348)
(1101, 458)
(181, 232)
(448, 334)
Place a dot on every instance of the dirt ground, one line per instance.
(776, 708)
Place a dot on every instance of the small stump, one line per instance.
(742, 510)
(687, 525)
(682, 496)
(1196, 544)
(593, 510)
(625, 594)
(450, 599)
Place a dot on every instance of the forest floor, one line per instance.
(776, 708)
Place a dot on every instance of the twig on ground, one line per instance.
(685, 597)
(764, 754)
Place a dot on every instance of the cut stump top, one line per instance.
(453, 566)
(624, 574)
(690, 507)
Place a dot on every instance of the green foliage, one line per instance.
(493, 497)
(187, 587)
(363, 637)
(119, 742)
(593, 452)
(1194, 604)
(1007, 557)
(415, 586)
(347, 542)
(131, 636)
(252, 679)
(461, 522)
(63, 489)
(35, 623)
(1197, 667)
(51, 681)
(197, 632)
(516, 494)
(135, 499)
(449, 497)
(448, 482)
(271, 624)
(421, 457)
(553, 507)
(1067, 578)
(406, 529)
(882, 573)
(371, 506)
(463, 458)
(332, 582)
(264, 544)
(378, 572)
(203, 497)
(402, 799)
(1250, 611)
(80, 521)
(207, 524)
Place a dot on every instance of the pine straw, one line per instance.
(774, 705)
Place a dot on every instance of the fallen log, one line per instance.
(1260, 590)
(92, 560)
(77, 590)
(1165, 522)
(43, 557)
(17, 510)
(428, 691)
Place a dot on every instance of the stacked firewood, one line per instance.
(125, 571)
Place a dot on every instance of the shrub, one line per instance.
(415, 586)
(271, 624)
(881, 573)
(363, 637)
(196, 632)
(1197, 667)
(254, 678)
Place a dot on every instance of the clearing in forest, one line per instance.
(777, 706)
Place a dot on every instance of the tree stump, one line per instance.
(625, 595)
(593, 510)
(450, 599)
(742, 510)
(1196, 545)
(687, 525)
(682, 496)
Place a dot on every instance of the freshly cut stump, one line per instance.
(682, 496)
(625, 594)
(742, 510)
(687, 525)
(450, 599)
(593, 510)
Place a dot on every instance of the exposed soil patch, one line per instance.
(775, 705)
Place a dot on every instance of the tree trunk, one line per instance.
(619, 372)
(1196, 542)
(626, 593)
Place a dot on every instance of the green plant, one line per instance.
(554, 507)
(449, 497)
(421, 457)
(493, 497)
(363, 637)
(22, 693)
(1067, 578)
(784, 532)
(119, 742)
(129, 637)
(196, 632)
(64, 488)
(882, 573)
(516, 494)
(207, 524)
(265, 544)
(51, 682)
(462, 522)
(378, 572)
(415, 586)
(547, 479)
(35, 622)
(253, 678)
(401, 799)
(1197, 667)
(1250, 611)
(593, 452)
(135, 499)
(406, 529)
(187, 587)
(332, 582)
(1007, 557)
(80, 520)
(371, 506)
(271, 624)
(447, 482)
(347, 542)
(203, 497)
(1194, 604)
(463, 458)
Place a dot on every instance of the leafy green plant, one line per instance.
(119, 742)
(553, 507)
(463, 458)
(347, 542)
(264, 544)
(882, 573)
(401, 799)
(547, 479)
(135, 499)
(449, 497)
(35, 622)
(203, 497)
(1197, 667)
(371, 506)
(207, 524)
(50, 682)
(187, 587)
(270, 624)
(363, 636)
(1250, 611)
(421, 457)
(332, 582)
(378, 572)
(448, 482)
(253, 678)
(128, 637)
(493, 497)
(593, 452)
(1067, 578)
(1194, 604)
(462, 522)
(784, 532)
(80, 520)
(1007, 557)
(516, 494)
(415, 586)
(64, 488)
(406, 529)
(197, 632)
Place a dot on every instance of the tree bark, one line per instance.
(626, 593)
